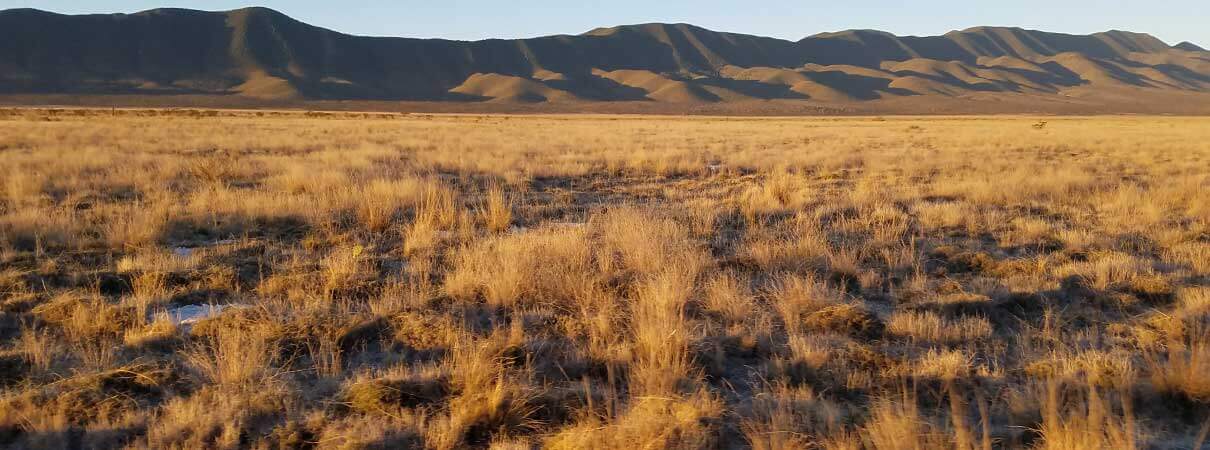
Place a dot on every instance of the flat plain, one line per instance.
(262, 279)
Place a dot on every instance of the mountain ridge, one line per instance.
(261, 53)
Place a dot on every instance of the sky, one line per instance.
(1171, 20)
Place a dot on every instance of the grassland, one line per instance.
(384, 281)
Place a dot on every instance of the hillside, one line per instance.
(261, 54)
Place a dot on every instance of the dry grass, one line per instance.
(1093, 423)
(931, 327)
(232, 357)
(1182, 369)
(443, 282)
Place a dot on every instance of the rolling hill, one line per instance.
(261, 54)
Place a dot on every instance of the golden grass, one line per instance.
(602, 281)
(930, 327)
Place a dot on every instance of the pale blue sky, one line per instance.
(1170, 20)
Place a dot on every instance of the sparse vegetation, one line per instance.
(291, 280)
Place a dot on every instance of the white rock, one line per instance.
(185, 316)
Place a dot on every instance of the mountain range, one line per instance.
(258, 53)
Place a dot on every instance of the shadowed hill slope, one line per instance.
(263, 54)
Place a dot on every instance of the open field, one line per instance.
(1080, 101)
(288, 280)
